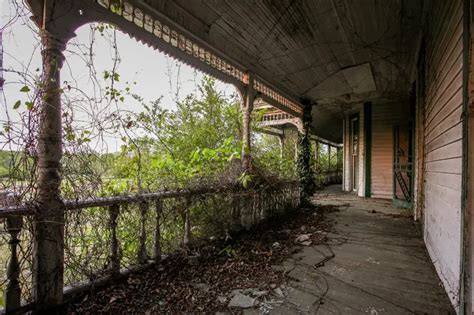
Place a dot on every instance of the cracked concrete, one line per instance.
(380, 264)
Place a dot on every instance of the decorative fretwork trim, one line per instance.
(271, 93)
(170, 36)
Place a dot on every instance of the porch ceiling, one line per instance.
(334, 52)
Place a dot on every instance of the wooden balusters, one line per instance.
(157, 237)
(114, 247)
(13, 290)
(245, 206)
(142, 253)
(187, 223)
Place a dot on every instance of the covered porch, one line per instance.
(387, 83)
(365, 256)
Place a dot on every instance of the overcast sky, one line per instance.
(149, 68)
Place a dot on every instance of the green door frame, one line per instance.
(368, 148)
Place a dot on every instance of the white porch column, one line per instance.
(48, 225)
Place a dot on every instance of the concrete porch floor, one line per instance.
(380, 264)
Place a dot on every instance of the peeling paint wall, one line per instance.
(443, 142)
(384, 117)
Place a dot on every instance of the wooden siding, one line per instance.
(384, 117)
(442, 142)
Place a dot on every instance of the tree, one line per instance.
(186, 146)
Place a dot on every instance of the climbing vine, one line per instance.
(304, 165)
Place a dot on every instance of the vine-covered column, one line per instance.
(48, 250)
(305, 170)
(248, 97)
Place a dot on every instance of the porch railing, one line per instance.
(105, 238)
(332, 177)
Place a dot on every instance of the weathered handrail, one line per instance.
(244, 207)
(29, 209)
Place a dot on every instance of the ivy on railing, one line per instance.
(106, 238)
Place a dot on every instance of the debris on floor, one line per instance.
(303, 239)
(229, 276)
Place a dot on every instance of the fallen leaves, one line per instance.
(225, 277)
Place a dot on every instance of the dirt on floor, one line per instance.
(215, 276)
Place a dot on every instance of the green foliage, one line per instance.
(193, 143)
(198, 143)
(15, 165)
(271, 158)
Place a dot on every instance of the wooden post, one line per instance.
(142, 253)
(13, 290)
(157, 237)
(114, 247)
(48, 225)
(305, 171)
(248, 97)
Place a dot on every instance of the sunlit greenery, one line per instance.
(197, 143)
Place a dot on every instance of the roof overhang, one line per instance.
(331, 52)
